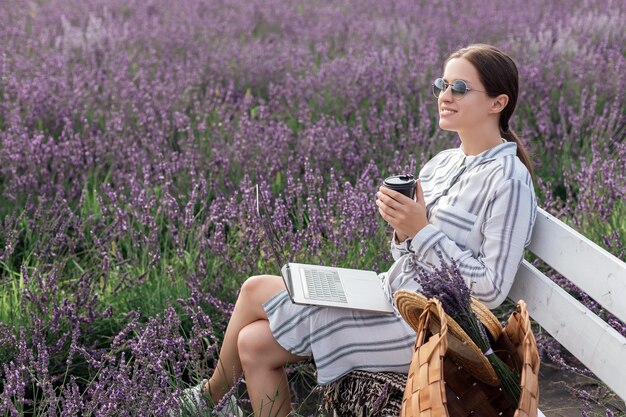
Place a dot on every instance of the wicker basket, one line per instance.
(439, 385)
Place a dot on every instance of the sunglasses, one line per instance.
(459, 88)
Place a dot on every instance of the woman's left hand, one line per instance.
(406, 216)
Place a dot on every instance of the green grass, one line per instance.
(595, 229)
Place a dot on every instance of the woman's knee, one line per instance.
(252, 284)
(255, 344)
(260, 288)
(257, 348)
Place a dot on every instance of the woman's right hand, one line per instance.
(405, 215)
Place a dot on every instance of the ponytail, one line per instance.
(522, 153)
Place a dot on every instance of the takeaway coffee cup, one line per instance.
(404, 184)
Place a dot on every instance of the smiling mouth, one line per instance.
(446, 112)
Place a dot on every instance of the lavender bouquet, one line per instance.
(446, 284)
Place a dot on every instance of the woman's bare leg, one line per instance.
(255, 291)
(263, 359)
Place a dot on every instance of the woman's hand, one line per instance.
(406, 216)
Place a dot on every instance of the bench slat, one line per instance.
(597, 345)
(594, 270)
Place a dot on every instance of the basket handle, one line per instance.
(424, 322)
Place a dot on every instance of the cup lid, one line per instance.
(400, 179)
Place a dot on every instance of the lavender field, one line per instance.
(132, 134)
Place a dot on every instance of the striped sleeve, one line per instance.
(506, 230)
(399, 249)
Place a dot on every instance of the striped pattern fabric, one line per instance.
(481, 210)
(341, 340)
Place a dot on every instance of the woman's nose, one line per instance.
(446, 95)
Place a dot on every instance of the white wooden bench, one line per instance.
(596, 272)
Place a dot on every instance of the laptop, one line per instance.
(324, 285)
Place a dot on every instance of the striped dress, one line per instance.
(481, 210)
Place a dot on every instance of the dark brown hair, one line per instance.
(498, 73)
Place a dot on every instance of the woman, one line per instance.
(474, 204)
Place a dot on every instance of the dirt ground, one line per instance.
(562, 394)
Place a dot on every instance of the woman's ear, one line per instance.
(499, 103)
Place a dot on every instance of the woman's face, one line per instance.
(469, 112)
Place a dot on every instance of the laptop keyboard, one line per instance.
(323, 286)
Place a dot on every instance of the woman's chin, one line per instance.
(445, 125)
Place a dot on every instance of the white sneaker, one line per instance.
(193, 403)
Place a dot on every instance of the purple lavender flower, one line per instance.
(132, 133)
